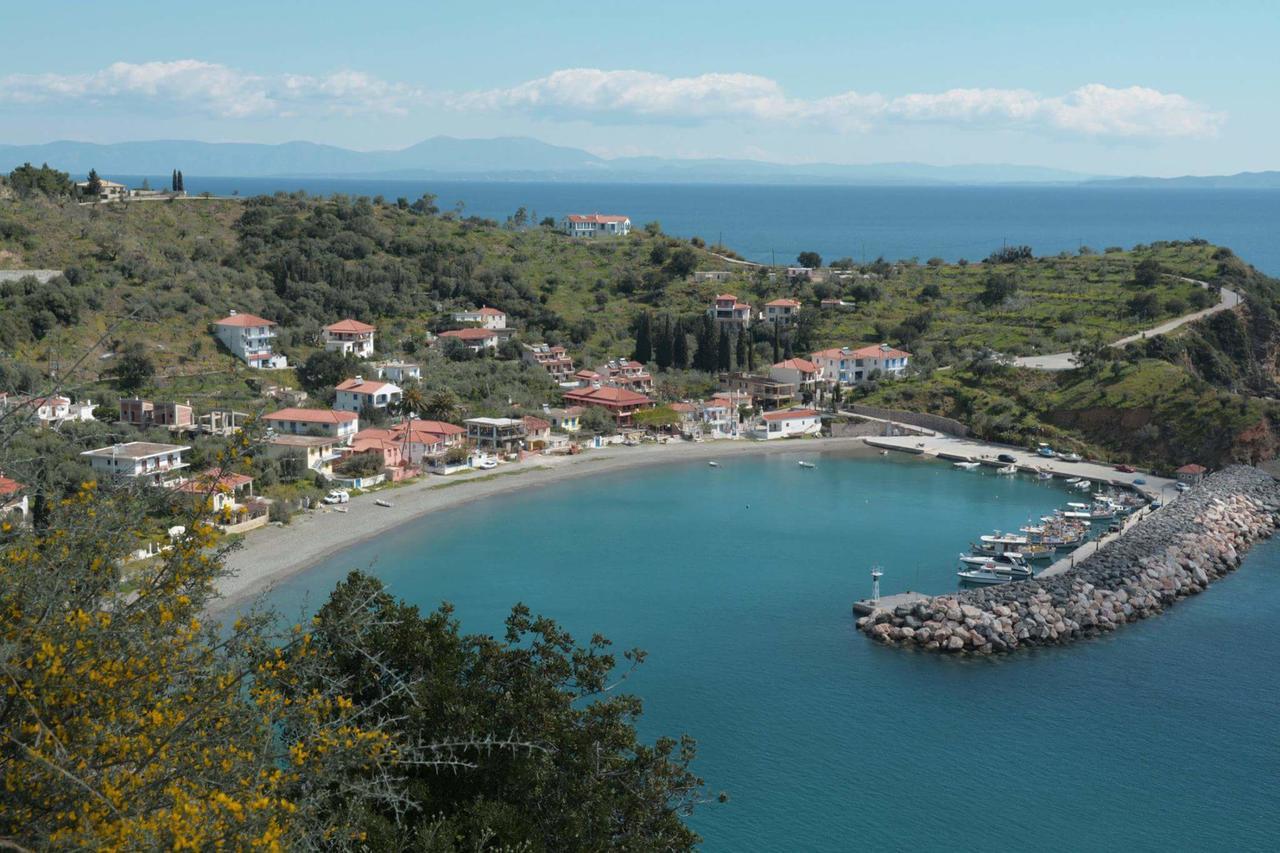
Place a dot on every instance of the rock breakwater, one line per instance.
(1175, 552)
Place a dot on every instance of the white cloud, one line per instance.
(622, 96)
(210, 88)
(641, 96)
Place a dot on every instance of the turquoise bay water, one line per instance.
(738, 582)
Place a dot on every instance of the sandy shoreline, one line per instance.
(271, 554)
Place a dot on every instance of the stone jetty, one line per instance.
(1175, 552)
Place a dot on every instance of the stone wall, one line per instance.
(1175, 552)
(937, 423)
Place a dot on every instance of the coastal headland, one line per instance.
(1171, 554)
(269, 555)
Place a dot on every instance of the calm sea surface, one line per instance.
(738, 581)
(764, 223)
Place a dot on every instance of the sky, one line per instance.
(1118, 87)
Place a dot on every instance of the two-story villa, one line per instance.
(358, 394)
(485, 317)
(473, 339)
(328, 422)
(728, 311)
(151, 462)
(499, 435)
(801, 373)
(249, 338)
(553, 359)
(626, 373)
(781, 310)
(846, 366)
(349, 337)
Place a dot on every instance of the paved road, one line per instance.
(1227, 300)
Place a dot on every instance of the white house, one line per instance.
(788, 423)
(13, 501)
(46, 411)
(727, 310)
(358, 394)
(339, 425)
(781, 310)
(398, 371)
(801, 373)
(314, 452)
(249, 338)
(349, 337)
(108, 190)
(151, 462)
(485, 317)
(846, 366)
(595, 225)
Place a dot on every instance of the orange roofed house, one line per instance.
(358, 394)
(249, 338)
(619, 402)
(846, 366)
(474, 339)
(595, 225)
(728, 311)
(350, 337)
(781, 310)
(328, 422)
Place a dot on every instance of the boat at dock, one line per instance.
(1006, 564)
(1003, 543)
(982, 577)
(381, 502)
(1044, 475)
(1007, 470)
(966, 466)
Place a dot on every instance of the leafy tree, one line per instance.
(585, 781)
(442, 405)
(94, 187)
(27, 180)
(324, 369)
(1011, 255)
(683, 262)
(1147, 273)
(360, 464)
(598, 421)
(643, 351)
(1145, 305)
(812, 260)
(998, 287)
(134, 367)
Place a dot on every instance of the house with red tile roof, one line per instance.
(553, 359)
(250, 338)
(13, 500)
(595, 225)
(294, 421)
(223, 489)
(349, 337)
(800, 372)
(787, 423)
(625, 373)
(484, 317)
(781, 311)
(619, 402)
(475, 340)
(853, 366)
(728, 311)
(1191, 473)
(357, 394)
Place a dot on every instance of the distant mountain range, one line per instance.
(1239, 181)
(521, 158)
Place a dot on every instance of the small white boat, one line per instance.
(1070, 457)
(983, 577)
(1010, 565)
(1073, 481)
(966, 466)
(1007, 470)
(381, 502)
(804, 464)
(1084, 485)
(713, 464)
(1044, 475)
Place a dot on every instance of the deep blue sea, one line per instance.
(738, 581)
(773, 223)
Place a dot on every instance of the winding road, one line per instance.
(1227, 300)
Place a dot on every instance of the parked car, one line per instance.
(487, 463)
(1007, 458)
(1125, 469)
(337, 496)
(1183, 487)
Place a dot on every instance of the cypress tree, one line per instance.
(644, 339)
(680, 346)
(751, 356)
(786, 350)
(705, 357)
(173, 181)
(725, 360)
(181, 186)
(777, 350)
(663, 348)
(743, 349)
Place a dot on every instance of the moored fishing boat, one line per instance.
(965, 466)
(982, 577)
(1003, 543)
(1006, 564)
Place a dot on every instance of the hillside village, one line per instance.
(360, 344)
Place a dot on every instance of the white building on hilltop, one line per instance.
(151, 462)
(350, 337)
(249, 338)
(595, 225)
(485, 317)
